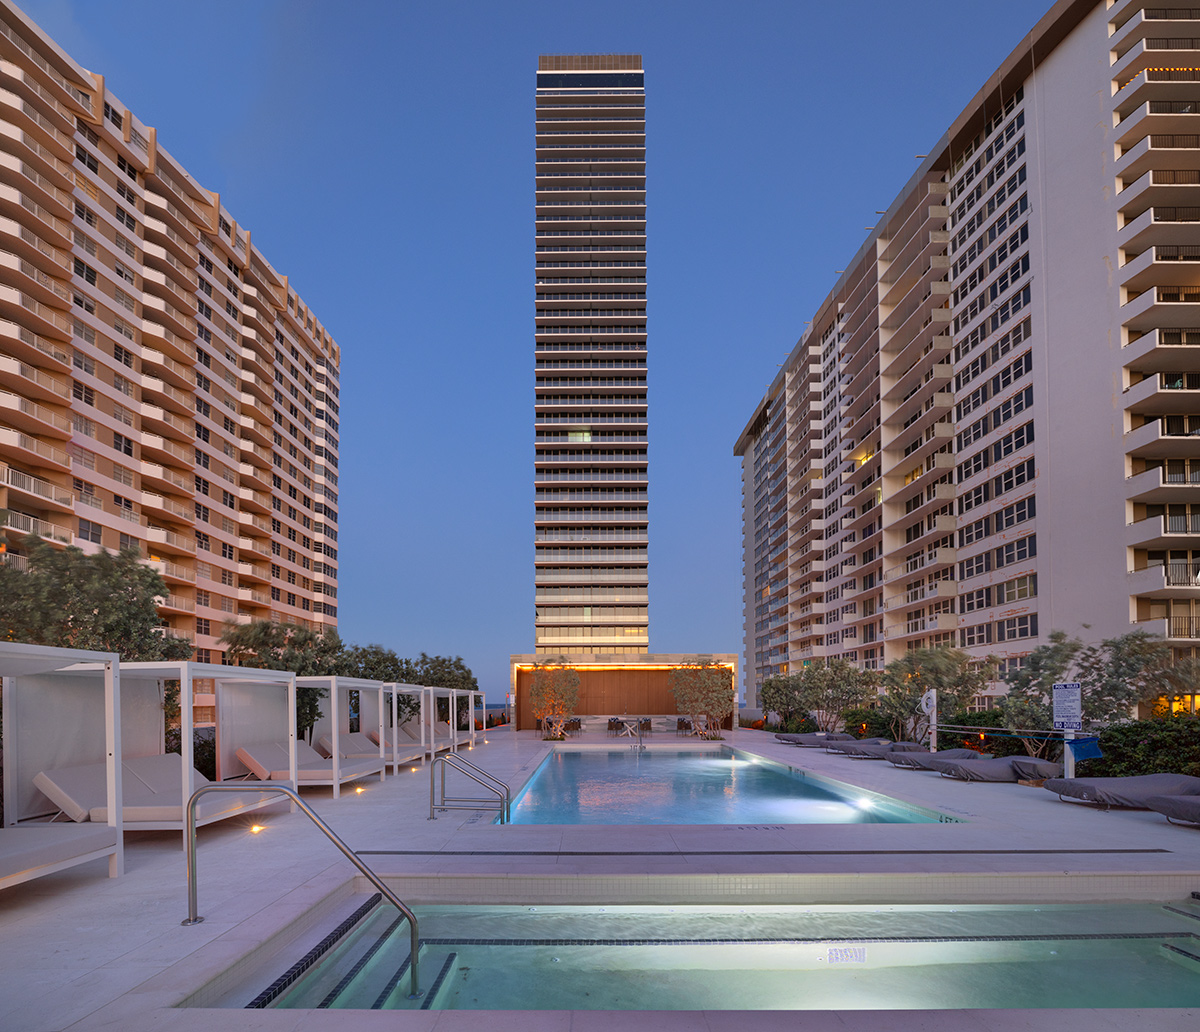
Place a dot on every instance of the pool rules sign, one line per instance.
(1068, 707)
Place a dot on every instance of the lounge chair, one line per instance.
(816, 739)
(844, 744)
(916, 760)
(352, 745)
(408, 735)
(31, 850)
(683, 727)
(1176, 808)
(268, 761)
(1132, 792)
(151, 797)
(1001, 768)
(877, 751)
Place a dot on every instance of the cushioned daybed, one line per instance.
(1176, 807)
(352, 745)
(151, 795)
(873, 751)
(1132, 792)
(1002, 768)
(268, 761)
(917, 760)
(31, 850)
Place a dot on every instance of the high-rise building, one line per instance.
(161, 385)
(590, 409)
(991, 430)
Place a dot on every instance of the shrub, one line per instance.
(800, 725)
(204, 749)
(1165, 745)
(1002, 743)
(866, 723)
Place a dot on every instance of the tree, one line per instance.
(1114, 676)
(272, 646)
(826, 690)
(554, 694)
(950, 672)
(106, 601)
(376, 663)
(443, 672)
(781, 694)
(704, 692)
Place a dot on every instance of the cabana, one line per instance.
(157, 785)
(381, 725)
(353, 756)
(50, 719)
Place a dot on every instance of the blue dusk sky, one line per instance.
(381, 153)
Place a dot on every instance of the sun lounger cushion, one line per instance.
(917, 760)
(1131, 791)
(24, 849)
(878, 751)
(842, 745)
(353, 745)
(269, 762)
(151, 789)
(816, 739)
(1176, 807)
(1027, 768)
(1002, 768)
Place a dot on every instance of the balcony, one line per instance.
(1177, 579)
(253, 572)
(169, 541)
(33, 487)
(1163, 531)
(173, 571)
(1172, 628)
(1163, 393)
(23, 344)
(41, 319)
(22, 523)
(1163, 348)
(154, 446)
(1165, 438)
(922, 625)
(177, 604)
(29, 450)
(927, 561)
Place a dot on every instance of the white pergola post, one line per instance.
(112, 747)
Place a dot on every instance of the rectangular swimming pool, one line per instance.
(603, 785)
(764, 958)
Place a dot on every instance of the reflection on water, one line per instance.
(624, 786)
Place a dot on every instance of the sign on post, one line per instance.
(1068, 707)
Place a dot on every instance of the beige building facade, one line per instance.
(991, 429)
(161, 385)
(591, 479)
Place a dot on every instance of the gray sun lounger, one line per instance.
(917, 760)
(1002, 768)
(844, 745)
(1176, 808)
(815, 739)
(874, 751)
(1132, 792)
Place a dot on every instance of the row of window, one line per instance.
(1009, 443)
(997, 558)
(1014, 628)
(1000, 415)
(1009, 516)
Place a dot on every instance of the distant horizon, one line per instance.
(382, 157)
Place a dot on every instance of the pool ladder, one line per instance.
(193, 917)
(502, 803)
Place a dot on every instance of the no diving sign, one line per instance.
(1068, 707)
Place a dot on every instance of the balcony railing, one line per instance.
(32, 525)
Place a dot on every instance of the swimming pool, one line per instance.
(767, 958)
(603, 785)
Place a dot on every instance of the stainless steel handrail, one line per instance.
(458, 762)
(474, 804)
(190, 823)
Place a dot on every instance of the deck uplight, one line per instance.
(255, 829)
(359, 790)
(864, 803)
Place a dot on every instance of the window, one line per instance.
(122, 443)
(89, 531)
(227, 551)
(122, 474)
(123, 385)
(203, 626)
(83, 393)
(228, 499)
(126, 167)
(203, 598)
(975, 566)
(85, 213)
(1013, 477)
(204, 408)
(1017, 589)
(975, 600)
(86, 303)
(980, 634)
(203, 541)
(126, 220)
(128, 542)
(226, 577)
(205, 310)
(113, 115)
(85, 270)
(86, 158)
(124, 271)
(1016, 513)
(202, 512)
(123, 328)
(83, 425)
(123, 504)
(202, 433)
(275, 594)
(123, 355)
(973, 532)
(1017, 627)
(1016, 551)
(1011, 442)
(87, 334)
(202, 460)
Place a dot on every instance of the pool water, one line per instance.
(768, 958)
(693, 786)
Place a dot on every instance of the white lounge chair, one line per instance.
(31, 850)
(151, 797)
(268, 761)
(352, 745)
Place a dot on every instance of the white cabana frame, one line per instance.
(384, 724)
(49, 717)
(252, 706)
(336, 723)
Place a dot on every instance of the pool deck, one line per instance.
(81, 951)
